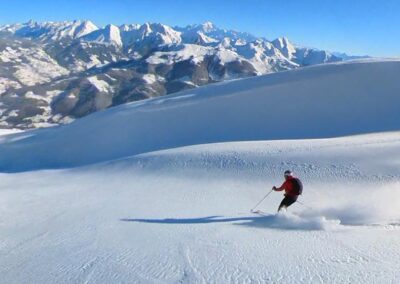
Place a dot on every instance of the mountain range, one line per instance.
(55, 72)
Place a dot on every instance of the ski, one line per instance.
(259, 212)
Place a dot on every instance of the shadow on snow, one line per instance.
(277, 221)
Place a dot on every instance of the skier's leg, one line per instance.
(283, 204)
(290, 201)
(286, 202)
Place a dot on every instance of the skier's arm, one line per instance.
(282, 187)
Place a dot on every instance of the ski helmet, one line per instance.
(288, 173)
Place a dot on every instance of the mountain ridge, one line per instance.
(50, 72)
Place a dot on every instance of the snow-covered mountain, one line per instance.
(51, 31)
(51, 72)
(109, 34)
(297, 104)
(143, 209)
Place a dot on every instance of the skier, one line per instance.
(293, 188)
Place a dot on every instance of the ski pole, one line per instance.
(304, 205)
(261, 200)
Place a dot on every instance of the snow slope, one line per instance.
(182, 215)
(151, 214)
(315, 102)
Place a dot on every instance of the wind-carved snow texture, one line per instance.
(146, 209)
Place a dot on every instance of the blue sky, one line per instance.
(353, 26)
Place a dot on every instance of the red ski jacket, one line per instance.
(289, 187)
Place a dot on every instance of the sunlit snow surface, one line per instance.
(182, 215)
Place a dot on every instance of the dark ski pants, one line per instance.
(286, 202)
